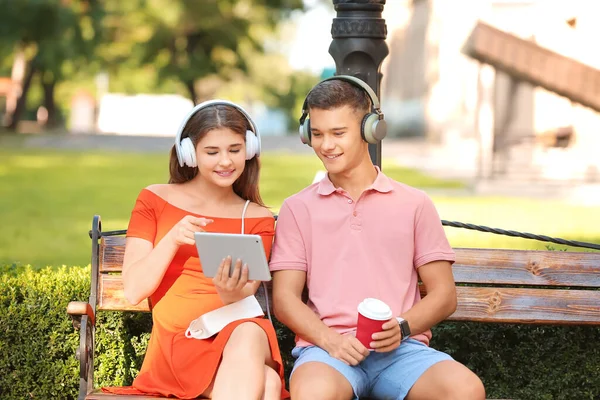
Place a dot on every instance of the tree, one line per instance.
(189, 40)
(56, 36)
(168, 41)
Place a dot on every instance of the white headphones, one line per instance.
(186, 152)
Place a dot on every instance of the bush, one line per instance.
(527, 361)
(38, 343)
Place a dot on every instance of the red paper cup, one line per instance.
(372, 313)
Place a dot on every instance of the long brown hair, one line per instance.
(214, 117)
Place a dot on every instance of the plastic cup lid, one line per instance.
(374, 309)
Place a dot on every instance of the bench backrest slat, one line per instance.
(485, 304)
(492, 266)
(112, 249)
(519, 267)
(518, 305)
(484, 271)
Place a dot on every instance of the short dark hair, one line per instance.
(338, 93)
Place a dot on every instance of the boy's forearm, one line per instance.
(297, 316)
(431, 310)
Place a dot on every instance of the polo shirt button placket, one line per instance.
(356, 223)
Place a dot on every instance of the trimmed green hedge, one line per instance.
(38, 342)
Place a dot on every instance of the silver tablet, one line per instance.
(214, 247)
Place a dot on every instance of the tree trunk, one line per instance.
(18, 72)
(192, 90)
(48, 86)
(22, 101)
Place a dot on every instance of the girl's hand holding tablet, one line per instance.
(235, 287)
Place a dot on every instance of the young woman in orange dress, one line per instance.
(214, 170)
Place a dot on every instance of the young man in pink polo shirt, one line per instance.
(358, 234)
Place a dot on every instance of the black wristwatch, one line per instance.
(404, 328)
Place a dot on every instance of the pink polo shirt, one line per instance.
(351, 250)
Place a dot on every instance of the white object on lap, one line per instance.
(214, 321)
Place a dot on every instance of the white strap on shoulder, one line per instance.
(244, 214)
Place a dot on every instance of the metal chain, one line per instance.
(531, 236)
(455, 224)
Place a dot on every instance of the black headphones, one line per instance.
(373, 127)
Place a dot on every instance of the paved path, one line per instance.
(135, 143)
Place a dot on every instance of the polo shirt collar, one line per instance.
(381, 184)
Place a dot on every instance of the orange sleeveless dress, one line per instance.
(175, 366)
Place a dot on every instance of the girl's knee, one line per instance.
(272, 381)
(247, 338)
(249, 331)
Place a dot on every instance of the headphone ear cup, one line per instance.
(304, 131)
(179, 152)
(188, 152)
(379, 129)
(373, 128)
(252, 145)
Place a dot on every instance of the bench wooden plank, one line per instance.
(521, 267)
(527, 306)
(112, 249)
(490, 266)
(484, 304)
(99, 395)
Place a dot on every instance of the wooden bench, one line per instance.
(502, 286)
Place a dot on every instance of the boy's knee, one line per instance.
(316, 391)
(318, 381)
(470, 388)
(448, 380)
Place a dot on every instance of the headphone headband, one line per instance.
(350, 79)
(373, 126)
(185, 148)
(209, 103)
(359, 82)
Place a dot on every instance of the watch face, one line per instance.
(404, 329)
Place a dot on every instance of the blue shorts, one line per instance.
(380, 375)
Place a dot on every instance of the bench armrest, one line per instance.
(78, 308)
(84, 320)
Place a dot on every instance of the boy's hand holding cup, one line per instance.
(377, 329)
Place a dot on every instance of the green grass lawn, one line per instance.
(48, 198)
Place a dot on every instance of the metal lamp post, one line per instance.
(358, 46)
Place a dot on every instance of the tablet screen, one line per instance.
(214, 247)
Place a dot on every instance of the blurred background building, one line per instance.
(471, 115)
